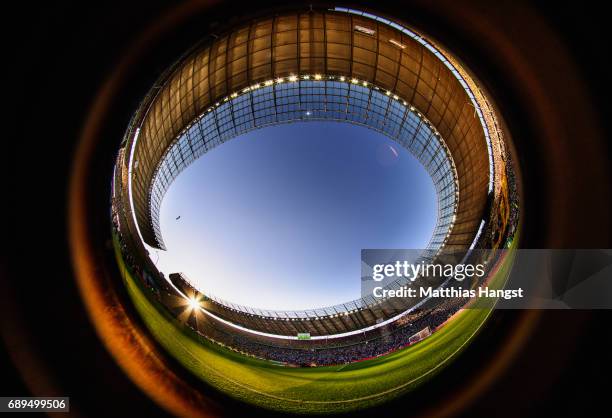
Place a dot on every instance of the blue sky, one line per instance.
(277, 218)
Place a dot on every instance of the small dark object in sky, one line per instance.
(178, 217)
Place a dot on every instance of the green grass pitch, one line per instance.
(310, 390)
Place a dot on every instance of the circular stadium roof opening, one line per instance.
(287, 100)
(276, 219)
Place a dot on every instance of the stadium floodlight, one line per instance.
(397, 43)
(193, 303)
(365, 30)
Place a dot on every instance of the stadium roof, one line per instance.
(330, 43)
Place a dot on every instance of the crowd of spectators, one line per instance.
(324, 352)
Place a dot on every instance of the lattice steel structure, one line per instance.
(332, 43)
(311, 98)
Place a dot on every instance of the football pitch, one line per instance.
(310, 390)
